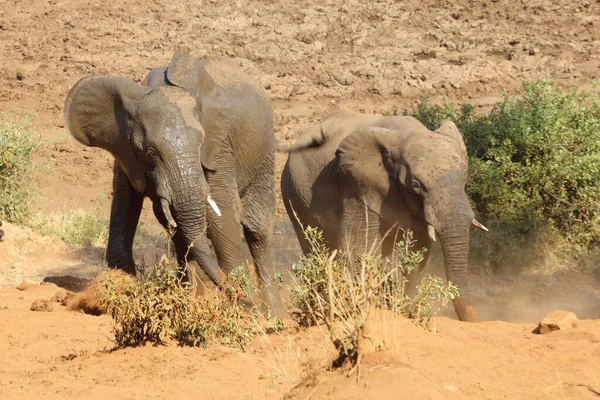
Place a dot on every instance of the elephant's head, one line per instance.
(427, 173)
(155, 136)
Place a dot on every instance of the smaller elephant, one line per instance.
(1, 232)
(360, 178)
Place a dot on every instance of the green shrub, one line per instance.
(17, 167)
(534, 164)
(162, 308)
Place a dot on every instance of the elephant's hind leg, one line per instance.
(296, 211)
(298, 229)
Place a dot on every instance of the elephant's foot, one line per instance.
(269, 304)
(463, 310)
(272, 300)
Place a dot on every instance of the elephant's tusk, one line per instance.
(431, 232)
(213, 205)
(478, 224)
(167, 211)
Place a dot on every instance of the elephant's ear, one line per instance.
(98, 113)
(366, 160)
(183, 71)
(156, 77)
(449, 129)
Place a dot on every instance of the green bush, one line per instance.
(17, 167)
(534, 163)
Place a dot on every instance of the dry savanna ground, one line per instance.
(312, 57)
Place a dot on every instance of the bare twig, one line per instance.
(330, 284)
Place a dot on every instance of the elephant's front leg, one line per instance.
(124, 216)
(257, 220)
(225, 230)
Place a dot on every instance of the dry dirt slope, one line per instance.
(312, 57)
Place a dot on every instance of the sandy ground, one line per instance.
(312, 57)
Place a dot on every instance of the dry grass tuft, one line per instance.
(346, 296)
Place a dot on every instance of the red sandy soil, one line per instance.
(312, 57)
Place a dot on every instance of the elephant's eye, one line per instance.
(416, 186)
(152, 154)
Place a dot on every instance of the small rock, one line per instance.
(41, 305)
(557, 321)
(60, 123)
(25, 285)
(59, 296)
(343, 78)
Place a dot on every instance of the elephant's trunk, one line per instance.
(190, 193)
(192, 222)
(455, 246)
(453, 229)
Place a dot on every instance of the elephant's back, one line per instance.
(335, 128)
(304, 167)
(238, 101)
(226, 73)
(311, 181)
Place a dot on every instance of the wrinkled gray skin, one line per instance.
(359, 178)
(191, 130)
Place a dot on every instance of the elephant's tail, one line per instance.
(307, 141)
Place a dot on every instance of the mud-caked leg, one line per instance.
(124, 216)
(257, 219)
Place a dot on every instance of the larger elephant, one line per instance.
(197, 139)
(357, 177)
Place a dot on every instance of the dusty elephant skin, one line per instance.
(407, 177)
(197, 139)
